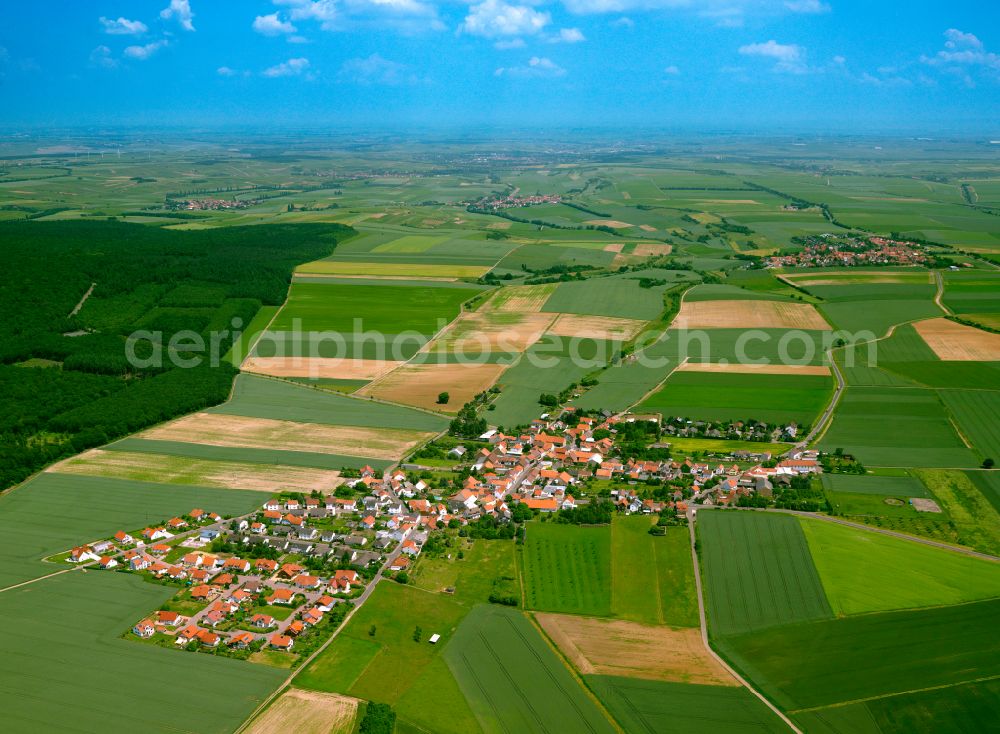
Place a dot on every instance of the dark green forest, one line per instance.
(65, 382)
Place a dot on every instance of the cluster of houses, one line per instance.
(750, 430)
(828, 250)
(541, 467)
(234, 591)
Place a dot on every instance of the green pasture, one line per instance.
(567, 568)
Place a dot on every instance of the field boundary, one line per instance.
(704, 632)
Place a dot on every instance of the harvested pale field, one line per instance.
(754, 369)
(633, 650)
(220, 429)
(165, 469)
(307, 712)
(647, 228)
(499, 225)
(748, 315)
(476, 332)
(596, 327)
(613, 223)
(520, 298)
(320, 367)
(420, 384)
(302, 277)
(729, 201)
(410, 270)
(953, 342)
(860, 278)
(614, 247)
(650, 249)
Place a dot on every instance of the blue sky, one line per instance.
(748, 65)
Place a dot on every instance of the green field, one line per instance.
(367, 666)
(55, 512)
(975, 412)
(514, 681)
(652, 578)
(972, 511)
(904, 486)
(869, 655)
(896, 427)
(379, 307)
(757, 572)
(567, 568)
(247, 455)
(723, 396)
(260, 397)
(864, 571)
(646, 706)
(607, 297)
(73, 672)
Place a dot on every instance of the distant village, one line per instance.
(828, 250)
(512, 200)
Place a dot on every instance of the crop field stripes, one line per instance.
(470, 669)
(894, 694)
(760, 573)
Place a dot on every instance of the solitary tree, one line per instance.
(443, 398)
(988, 463)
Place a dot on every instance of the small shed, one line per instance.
(433, 639)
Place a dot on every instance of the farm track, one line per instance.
(76, 309)
(704, 632)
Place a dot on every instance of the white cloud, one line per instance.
(958, 39)
(100, 57)
(181, 10)
(376, 69)
(123, 26)
(495, 18)
(787, 57)
(623, 22)
(964, 54)
(568, 35)
(507, 44)
(807, 6)
(225, 71)
(272, 25)
(292, 67)
(537, 67)
(671, 70)
(322, 11)
(144, 52)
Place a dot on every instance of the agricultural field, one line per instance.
(78, 650)
(921, 434)
(614, 647)
(258, 397)
(717, 395)
(864, 572)
(758, 572)
(55, 512)
(307, 712)
(652, 578)
(642, 706)
(869, 655)
(567, 568)
(513, 681)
